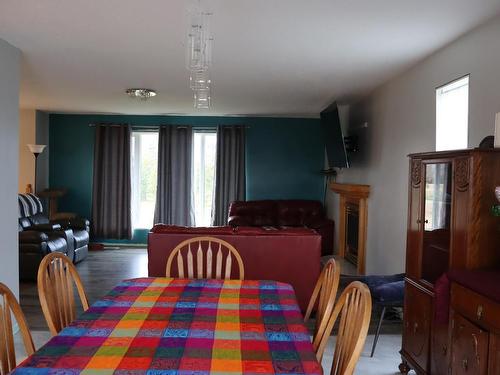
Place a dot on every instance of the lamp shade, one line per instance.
(36, 149)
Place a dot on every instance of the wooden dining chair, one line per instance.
(57, 277)
(10, 307)
(354, 307)
(323, 296)
(203, 254)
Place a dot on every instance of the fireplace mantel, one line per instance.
(353, 198)
(352, 190)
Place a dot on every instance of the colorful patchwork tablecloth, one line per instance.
(180, 327)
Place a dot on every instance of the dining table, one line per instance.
(166, 326)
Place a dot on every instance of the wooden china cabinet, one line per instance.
(449, 226)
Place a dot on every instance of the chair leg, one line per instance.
(378, 331)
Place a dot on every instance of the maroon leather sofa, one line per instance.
(284, 214)
(289, 255)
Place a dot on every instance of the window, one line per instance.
(204, 150)
(144, 163)
(452, 115)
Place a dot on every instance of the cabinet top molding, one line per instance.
(452, 153)
(362, 191)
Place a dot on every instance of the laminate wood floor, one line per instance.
(100, 272)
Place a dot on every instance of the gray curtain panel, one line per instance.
(174, 191)
(230, 174)
(111, 192)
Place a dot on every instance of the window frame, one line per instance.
(436, 90)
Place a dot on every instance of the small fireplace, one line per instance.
(353, 220)
(352, 233)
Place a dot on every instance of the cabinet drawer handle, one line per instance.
(465, 364)
(479, 312)
(415, 328)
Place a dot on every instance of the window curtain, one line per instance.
(230, 171)
(111, 191)
(174, 190)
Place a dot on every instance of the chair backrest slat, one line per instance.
(10, 307)
(57, 276)
(199, 262)
(354, 307)
(190, 262)
(228, 266)
(204, 269)
(218, 267)
(209, 261)
(180, 265)
(323, 296)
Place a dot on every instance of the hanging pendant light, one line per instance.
(199, 54)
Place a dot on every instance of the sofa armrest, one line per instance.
(67, 234)
(238, 221)
(29, 249)
(45, 227)
(32, 236)
(75, 223)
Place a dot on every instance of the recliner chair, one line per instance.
(38, 236)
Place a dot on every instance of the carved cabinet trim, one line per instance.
(462, 174)
(416, 173)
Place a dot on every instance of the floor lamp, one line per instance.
(36, 150)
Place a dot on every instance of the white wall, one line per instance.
(42, 138)
(9, 160)
(27, 135)
(401, 120)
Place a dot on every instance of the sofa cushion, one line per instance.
(40, 219)
(389, 293)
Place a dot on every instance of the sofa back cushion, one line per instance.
(255, 213)
(29, 205)
(296, 213)
(30, 211)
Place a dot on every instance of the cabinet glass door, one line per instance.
(436, 220)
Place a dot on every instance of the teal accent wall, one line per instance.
(283, 161)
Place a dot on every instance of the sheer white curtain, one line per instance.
(144, 166)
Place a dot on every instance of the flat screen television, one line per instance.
(334, 139)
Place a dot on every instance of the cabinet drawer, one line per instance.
(469, 348)
(475, 307)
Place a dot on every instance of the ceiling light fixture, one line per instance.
(199, 54)
(143, 94)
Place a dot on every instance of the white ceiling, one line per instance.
(271, 57)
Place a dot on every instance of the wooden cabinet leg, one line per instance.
(403, 367)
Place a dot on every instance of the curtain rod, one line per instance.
(155, 127)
